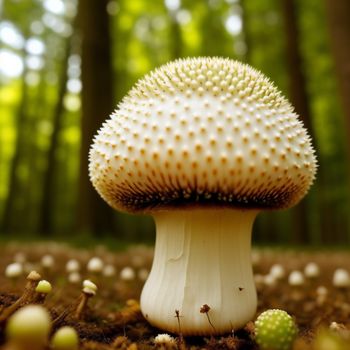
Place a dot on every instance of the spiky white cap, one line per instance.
(202, 132)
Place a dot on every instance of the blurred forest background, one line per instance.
(65, 64)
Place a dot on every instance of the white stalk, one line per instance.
(202, 256)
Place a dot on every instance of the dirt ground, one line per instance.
(112, 319)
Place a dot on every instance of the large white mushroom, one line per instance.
(202, 144)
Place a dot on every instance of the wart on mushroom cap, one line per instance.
(209, 138)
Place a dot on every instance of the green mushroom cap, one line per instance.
(66, 338)
(275, 330)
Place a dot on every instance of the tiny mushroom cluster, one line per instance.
(29, 329)
(204, 145)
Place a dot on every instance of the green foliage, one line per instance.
(265, 30)
(8, 101)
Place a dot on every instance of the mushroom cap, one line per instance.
(202, 132)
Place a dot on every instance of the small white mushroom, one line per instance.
(321, 291)
(95, 265)
(164, 339)
(74, 277)
(321, 295)
(89, 286)
(127, 273)
(341, 278)
(72, 265)
(47, 261)
(278, 271)
(14, 270)
(88, 291)
(269, 280)
(109, 271)
(296, 279)
(341, 330)
(312, 270)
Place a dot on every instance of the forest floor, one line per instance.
(112, 319)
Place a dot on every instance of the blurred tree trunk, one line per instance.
(46, 205)
(214, 37)
(297, 82)
(10, 220)
(176, 38)
(245, 30)
(299, 99)
(338, 13)
(34, 155)
(97, 103)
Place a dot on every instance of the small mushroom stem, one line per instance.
(202, 256)
(39, 298)
(82, 305)
(26, 298)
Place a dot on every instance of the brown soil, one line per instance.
(113, 319)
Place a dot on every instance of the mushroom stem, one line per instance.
(202, 256)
